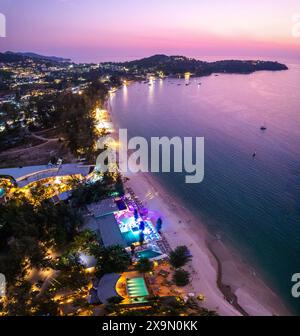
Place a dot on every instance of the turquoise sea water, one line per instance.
(254, 204)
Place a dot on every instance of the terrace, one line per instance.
(118, 223)
(132, 228)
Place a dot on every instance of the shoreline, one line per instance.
(228, 284)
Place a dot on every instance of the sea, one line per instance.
(250, 202)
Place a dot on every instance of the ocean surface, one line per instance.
(252, 203)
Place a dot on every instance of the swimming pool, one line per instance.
(149, 254)
(130, 237)
(136, 287)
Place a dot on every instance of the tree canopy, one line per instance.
(179, 257)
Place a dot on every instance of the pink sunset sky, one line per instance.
(98, 30)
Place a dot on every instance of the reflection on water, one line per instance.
(151, 87)
(125, 94)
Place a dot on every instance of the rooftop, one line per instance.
(107, 228)
(105, 207)
(29, 174)
(107, 287)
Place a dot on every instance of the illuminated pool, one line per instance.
(137, 289)
(149, 254)
(130, 237)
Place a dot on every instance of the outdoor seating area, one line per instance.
(132, 226)
(132, 285)
(160, 280)
(116, 222)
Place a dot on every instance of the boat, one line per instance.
(254, 155)
(263, 128)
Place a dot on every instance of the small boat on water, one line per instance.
(254, 155)
(263, 128)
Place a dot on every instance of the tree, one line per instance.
(144, 265)
(158, 225)
(179, 257)
(90, 193)
(181, 278)
(29, 230)
(72, 277)
(19, 302)
(84, 241)
(112, 259)
(44, 305)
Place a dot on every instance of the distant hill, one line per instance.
(10, 56)
(180, 64)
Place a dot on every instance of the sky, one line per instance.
(102, 30)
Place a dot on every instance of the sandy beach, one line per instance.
(230, 287)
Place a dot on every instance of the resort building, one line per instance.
(116, 221)
(26, 175)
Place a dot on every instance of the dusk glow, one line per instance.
(96, 30)
(149, 162)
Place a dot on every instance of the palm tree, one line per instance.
(179, 257)
(181, 278)
(144, 265)
(112, 259)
